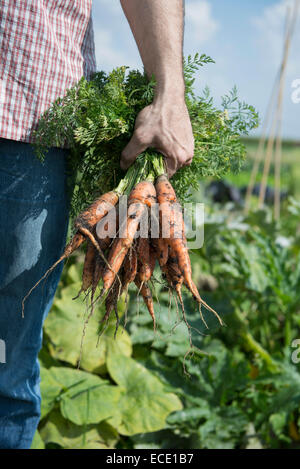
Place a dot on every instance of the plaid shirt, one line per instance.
(46, 46)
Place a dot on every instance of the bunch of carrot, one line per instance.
(115, 261)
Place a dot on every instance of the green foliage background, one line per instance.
(237, 388)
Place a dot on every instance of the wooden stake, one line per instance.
(277, 117)
(258, 158)
(278, 151)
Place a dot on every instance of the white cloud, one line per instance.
(269, 29)
(199, 17)
(113, 6)
(114, 42)
(270, 26)
(108, 54)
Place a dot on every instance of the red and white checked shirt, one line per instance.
(46, 46)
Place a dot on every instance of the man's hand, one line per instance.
(164, 125)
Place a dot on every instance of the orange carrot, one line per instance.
(164, 190)
(74, 244)
(161, 249)
(175, 273)
(143, 249)
(96, 211)
(87, 220)
(173, 214)
(102, 228)
(184, 263)
(88, 267)
(174, 277)
(163, 252)
(121, 245)
(146, 266)
(147, 297)
(97, 274)
(176, 239)
(111, 300)
(152, 261)
(103, 243)
(141, 196)
(143, 252)
(130, 268)
(144, 192)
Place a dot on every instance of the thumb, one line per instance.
(132, 150)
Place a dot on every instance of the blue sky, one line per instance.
(245, 38)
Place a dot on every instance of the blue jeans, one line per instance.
(33, 227)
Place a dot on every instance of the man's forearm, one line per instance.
(157, 26)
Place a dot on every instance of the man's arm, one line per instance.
(157, 26)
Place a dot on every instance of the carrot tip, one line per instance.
(78, 294)
(202, 317)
